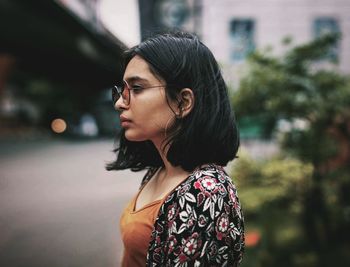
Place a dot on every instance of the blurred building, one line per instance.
(85, 10)
(234, 28)
(125, 24)
(56, 59)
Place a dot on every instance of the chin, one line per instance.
(134, 137)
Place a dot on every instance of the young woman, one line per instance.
(178, 124)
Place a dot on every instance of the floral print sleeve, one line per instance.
(200, 223)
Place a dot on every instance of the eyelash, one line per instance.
(136, 88)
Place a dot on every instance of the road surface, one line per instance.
(59, 206)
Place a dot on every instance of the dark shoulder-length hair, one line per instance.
(208, 134)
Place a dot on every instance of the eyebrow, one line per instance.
(135, 79)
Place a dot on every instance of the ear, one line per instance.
(186, 102)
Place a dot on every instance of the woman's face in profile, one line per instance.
(148, 114)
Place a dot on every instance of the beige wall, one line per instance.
(274, 19)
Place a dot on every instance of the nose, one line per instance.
(120, 104)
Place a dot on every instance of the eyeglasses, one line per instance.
(119, 91)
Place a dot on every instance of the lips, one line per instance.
(123, 118)
(124, 121)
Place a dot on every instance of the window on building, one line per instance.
(327, 25)
(241, 38)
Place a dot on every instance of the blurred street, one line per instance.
(59, 206)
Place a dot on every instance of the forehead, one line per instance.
(138, 69)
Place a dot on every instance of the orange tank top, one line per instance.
(136, 228)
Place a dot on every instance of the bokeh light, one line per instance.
(58, 125)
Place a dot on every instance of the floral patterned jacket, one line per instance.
(200, 223)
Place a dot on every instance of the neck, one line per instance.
(170, 171)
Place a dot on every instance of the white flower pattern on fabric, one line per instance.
(208, 183)
(223, 224)
(190, 247)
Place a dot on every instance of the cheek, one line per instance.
(158, 120)
(155, 111)
(150, 123)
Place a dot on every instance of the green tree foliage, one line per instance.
(305, 104)
(272, 193)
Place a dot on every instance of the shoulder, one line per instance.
(208, 198)
(208, 187)
(203, 214)
(212, 179)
